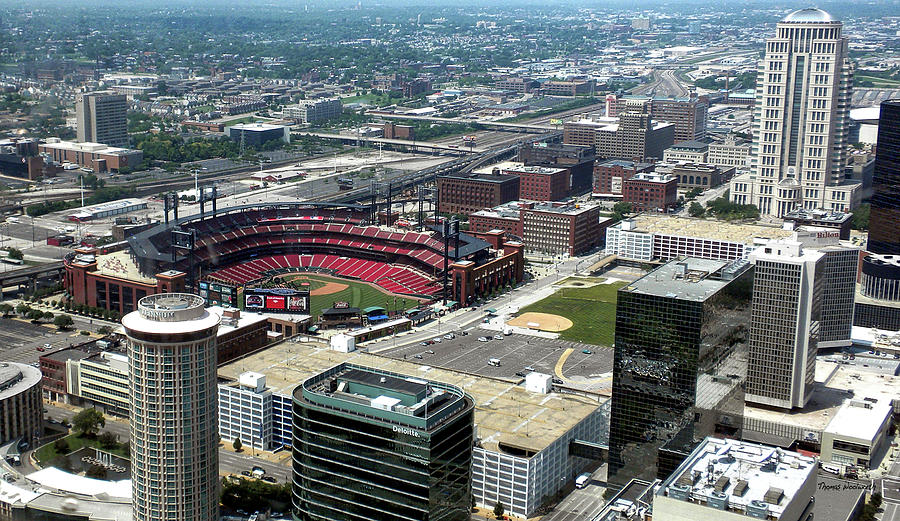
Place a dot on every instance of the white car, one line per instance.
(483, 339)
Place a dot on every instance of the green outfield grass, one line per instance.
(358, 294)
(592, 311)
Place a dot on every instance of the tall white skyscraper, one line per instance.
(801, 120)
(174, 409)
(784, 324)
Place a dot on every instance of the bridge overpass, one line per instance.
(30, 275)
(502, 125)
(415, 145)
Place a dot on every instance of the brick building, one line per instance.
(610, 174)
(539, 183)
(413, 88)
(651, 192)
(395, 131)
(96, 156)
(578, 159)
(548, 228)
(696, 175)
(471, 279)
(469, 193)
(112, 281)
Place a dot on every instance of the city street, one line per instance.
(229, 462)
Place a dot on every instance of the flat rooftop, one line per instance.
(860, 419)
(688, 279)
(742, 472)
(835, 383)
(504, 411)
(120, 265)
(703, 229)
(483, 175)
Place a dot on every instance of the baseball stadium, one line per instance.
(268, 245)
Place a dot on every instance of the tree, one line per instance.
(96, 472)
(61, 446)
(63, 322)
(622, 208)
(6, 309)
(860, 219)
(108, 440)
(88, 422)
(104, 330)
(237, 445)
(499, 509)
(48, 316)
(696, 209)
(875, 500)
(22, 308)
(35, 314)
(15, 253)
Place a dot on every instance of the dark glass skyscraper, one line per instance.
(374, 445)
(884, 222)
(679, 365)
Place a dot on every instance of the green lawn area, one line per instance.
(592, 311)
(358, 294)
(877, 81)
(47, 453)
(245, 119)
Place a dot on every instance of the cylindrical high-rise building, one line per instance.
(172, 380)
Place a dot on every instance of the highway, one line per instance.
(664, 83)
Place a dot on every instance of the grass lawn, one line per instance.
(245, 119)
(592, 312)
(47, 453)
(358, 294)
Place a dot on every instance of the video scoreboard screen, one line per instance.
(277, 300)
(217, 294)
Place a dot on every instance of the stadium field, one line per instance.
(358, 294)
(591, 309)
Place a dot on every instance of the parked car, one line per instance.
(529, 368)
(483, 339)
(424, 343)
(557, 381)
(498, 337)
(520, 374)
(245, 473)
(269, 479)
(587, 351)
(418, 357)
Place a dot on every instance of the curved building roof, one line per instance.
(15, 378)
(810, 14)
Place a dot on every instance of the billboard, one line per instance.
(218, 294)
(277, 300)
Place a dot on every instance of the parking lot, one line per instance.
(583, 365)
(20, 341)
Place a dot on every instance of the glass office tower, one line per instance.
(679, 365)
(375, 445)
(884, 220)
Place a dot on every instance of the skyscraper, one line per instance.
(101, 118)
(884, 221)
(174, 408)
(801, 120)
(370, 445)
(679, 364)
(784, 325)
